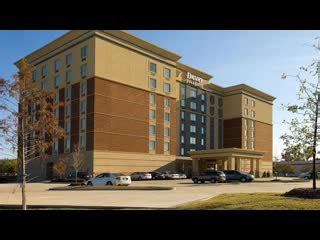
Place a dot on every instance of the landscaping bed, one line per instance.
(282, 181)
(304, 193)
(99, 188)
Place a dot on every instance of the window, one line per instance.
(220, 133)
(253, 103)
(202, 108)
(193, 93)
(192, 149)
(182, 91)
(83, 52)
(192, 128)
(68, 60)
(152, 83)
(202, 130)
(245, 132)
(220, 113)
(167, 116)
(83, 70)
(83, 123)
(212, 111)
(182, 115)
(44, 71)
(253, 114)
(211, 99)
(152, 145)
(193, 105)
(153, 67)
(67, 144)
(182, 126)
(34, 118)
(83, 105)
(55, 147)
(183, 103)
(67, 127)
(44, 85)
(83, 139)
(83, 88)
(57, 65)
(68, 92)
(203, 97)
(192, 140)
(152, 113)
(166, 132)
(202, 119)
(166, 72)
(245, 143)
(56, 112)
(166, 146)
(252, 134)
(57, 81)
(252, 145)
(167, 88)
(202, 141)
(252, 124)
(166, 102)
(182, 151)
(246, 101)
(246, 111)
(68, 76)
(34, 75)
(220, 102)
(68, 109)
(56, 97)
(182, 138)
(246, 122)
(152, 129)
(192, 117)
(152, 99)
(33, 106)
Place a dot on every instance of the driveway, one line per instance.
(185, 191)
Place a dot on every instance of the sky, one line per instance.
(256, 58)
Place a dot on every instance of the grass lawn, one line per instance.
(253, 201)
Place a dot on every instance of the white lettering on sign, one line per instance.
(190, 76)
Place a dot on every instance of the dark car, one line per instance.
(233, 175)
(210, 176)
(309, 175)
(157, 175)
(80, 175)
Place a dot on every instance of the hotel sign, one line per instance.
(192, 79)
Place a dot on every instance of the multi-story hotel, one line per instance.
(133, 106)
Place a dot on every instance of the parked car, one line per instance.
(157, 175)
(210, 176)
(232, 175)
(171, 175)
(81, 175)
(141, 176)
(182, 176)
(110, 179)
(308, 175)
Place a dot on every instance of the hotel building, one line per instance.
(133, 106)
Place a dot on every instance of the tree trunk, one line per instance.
(23, 162)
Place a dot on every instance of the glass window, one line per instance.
(67, 144)
(220, 113)
(83, 70)
(193, 105)
(182, 126)
(68, 109)
(57, 65)
(253, 114)
(152, 145)
(68, 76)
(192, 128)
(192, 117)
(220, 102)
(152, 83)
(83, 88)
(44, 85)
(245, 132)
(83, 139)
(84, 52)
(245, 122)
(152, 99)
(56, 112)
(211, 99)
(57, 81)
(182, 91)
(83, 105)
(182, 138)
(44, 71)
(34, 75)
(167, 87)
(252, 144)
(202, 119)
(246, 111)
(153, 67)
(152, 129)
(67, 127)
(167, 116)
(252, 134)
(202, 141)
(245, 143)
(253, 103)
(69, 59)
(203, 97)
(202, 130)
(202, 108)
(192, 140)
(166, 102)
(166, 132)
(83, 123)
(183, 103)
(166, 146)
(166, 72)
(252, 124)
(193, 93)
(152, 113)
(182, 151)
(211, 110)
(68, 92)
(246, 101)
(55, 147)
(182, 115)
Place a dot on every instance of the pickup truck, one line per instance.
(210, 176)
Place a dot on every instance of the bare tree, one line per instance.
(29, 124)
(60, 167)
(78, 157)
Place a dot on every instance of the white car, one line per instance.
(110, 179)
(141, 176)
(170, 175)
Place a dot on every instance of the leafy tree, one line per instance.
(60, 167)
(28, 122)
(307, 168)
(282, 169)
(8, 166)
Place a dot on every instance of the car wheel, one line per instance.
(195, 180)
(306, 178)
(202, 181)
(243, 179)
(89, 183)
(213, 180)
(109, 183)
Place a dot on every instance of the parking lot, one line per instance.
(185, 191)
